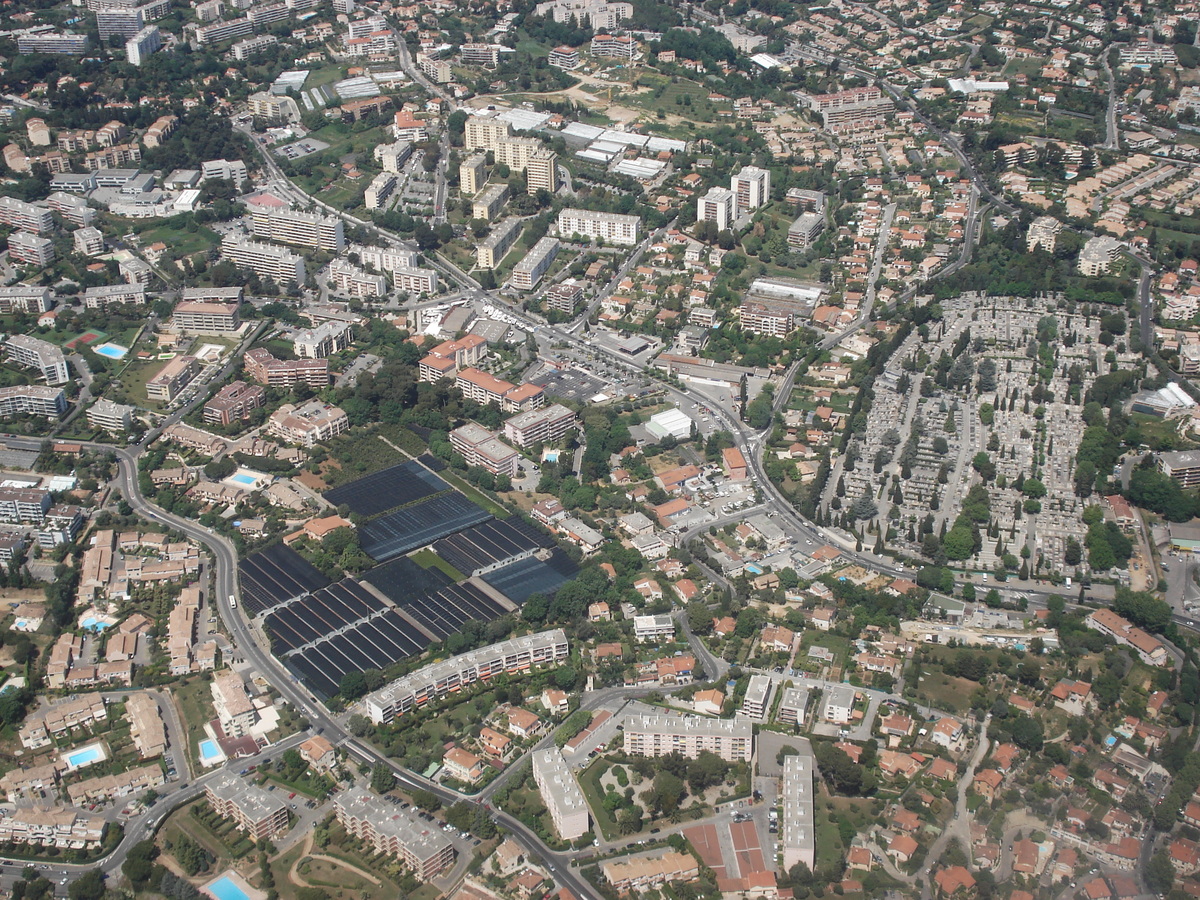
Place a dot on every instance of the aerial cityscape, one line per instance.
(577, 450)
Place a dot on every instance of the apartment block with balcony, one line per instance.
(172, 378)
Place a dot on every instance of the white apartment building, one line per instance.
(561, 793)
(752, 187)
(757, 702)
(243, 50)
(100, 297)
(1098, 254)
(1043, 232)
(661, 735)
(718, 205)
(25, 216)
(381, 187)
(529, 271)
(425, 851)
(26, 247)
(287, 226)
(798, 822)
(264, 260)
(392, 157)
(793, 706)
(490, 252)
(539, 426)
(612, 228)
(32, 400)
(355, 282)
(472, 173)
(307, 424)
(34, 353)
(323, 341)
(111, 416)
(25, 298)
(839, 704)
(803, 232)
(440, 678)
(415, 280)
(653, 628)
(172, 379)
(225, 169)
(88, 241)
(272, 107)
(142, 45)
(232, 704)
(385, 259)
(200, 317)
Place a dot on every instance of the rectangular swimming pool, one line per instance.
(242, 479)
(225, 889)
(209, 750)
(84, 756)
(112, 351)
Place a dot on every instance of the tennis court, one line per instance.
(419, 524)
(387, 489)
(89, 337)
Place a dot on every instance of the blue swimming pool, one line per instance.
(754, 570)
(225, 889)
(209, 751)
(91, 623)
(112, 351)
(84, 756)
(242, 479)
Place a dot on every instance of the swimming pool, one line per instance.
(112, 351)
(93, 624)
(243, 479)
(225, 889)
(85, 756)
(754, 570)
(210, 751)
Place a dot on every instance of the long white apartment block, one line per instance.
(35, 353)
(661, 735)
(440, 678)
(27, 247)
(32, 400)
(354, 281)
(385, 259)
(415, 280)
(529, 271)
(490, 252)
(25, 216)
(265, 260)
(798, 829)
(33, 299)
(323, 341)
(612, 228)
(560, 793)
(289, 226)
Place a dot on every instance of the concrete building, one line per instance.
(839, 704)
(1148, 648)
(232, 704)
(262, 815)
(392, 157)
(105, 295)
(272, 107)
(449, 675)
(529, 271)
(495, 246)
(25, 216)
(198, 317)
(26, 247)
(350, 279)
(234, 403)
(34, 353)
(614, 46)
(32, 400)
(265, 368)
(798, 822)
(58, 43)
(719, 206)
(266, 261)
(307, 424)
(635, 875)
(1098, 254)
(804, 232)
(757, 702)
(472, 174)
(172, 378)
(540, 426)
(426, 851)
(88, 241)
(1043, 232)
(793, 706)
(415, 280)
(751, 188)
(652, 629)
(244, 49)
(287, 226)
(612, 228)
(561, 793)
(660, 735)
(1182, 465)
(34, 300)
(541, 171)
(479, 447)
(142, 45)
(564, 58)
(381, 187)
(489, 202)
(115, 417)
(323, 341)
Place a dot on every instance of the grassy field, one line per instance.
(681, 97)
(194, 699)
(946, 692)
(180, 241)
(589, 781)
(427, 559)
(1157, 431)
